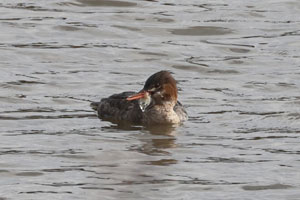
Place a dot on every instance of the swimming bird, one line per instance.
(156, 103)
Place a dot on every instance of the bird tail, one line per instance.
(94, 105)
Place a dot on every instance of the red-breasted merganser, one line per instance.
(156, 103)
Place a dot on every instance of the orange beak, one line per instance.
(136, 96)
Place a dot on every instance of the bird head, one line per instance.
(158, 89)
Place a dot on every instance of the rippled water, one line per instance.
(238, 67)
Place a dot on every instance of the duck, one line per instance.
(155, 103)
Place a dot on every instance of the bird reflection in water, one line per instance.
(159, 138)
(155, 144)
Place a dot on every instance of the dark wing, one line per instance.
(180, 111)
(116, 108)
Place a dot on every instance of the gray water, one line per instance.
(237, 64)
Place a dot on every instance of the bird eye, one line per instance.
(154, 88)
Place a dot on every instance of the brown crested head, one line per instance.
(159, 89)
(161, 86)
